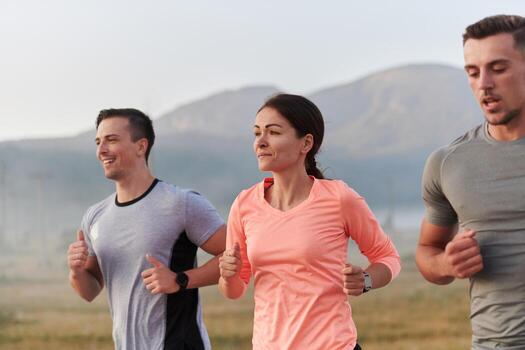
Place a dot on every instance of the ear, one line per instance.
(308, 143)
(142, 145)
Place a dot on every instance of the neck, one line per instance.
(133, 185)
(512, 131)
(289, 189)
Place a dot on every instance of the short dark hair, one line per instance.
(488, 26)
(305, 118)
(140, 124)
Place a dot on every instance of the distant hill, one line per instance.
(399, 111)
(379, 130)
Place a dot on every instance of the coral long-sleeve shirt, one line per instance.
(296, 258)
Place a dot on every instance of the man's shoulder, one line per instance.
(180, 197)
(96, 210)
(175, 191)
(101, 205)
(472, 136)
(168, 194)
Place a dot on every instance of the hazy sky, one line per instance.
(63, 61)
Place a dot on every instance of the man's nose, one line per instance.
(101, 148)
(486, 81)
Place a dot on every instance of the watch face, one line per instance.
(368, 282)
(182, 280)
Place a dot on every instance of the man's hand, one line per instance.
(353, 280)
(462, 257)
(77, 253)
(159, 278)
(230, 262)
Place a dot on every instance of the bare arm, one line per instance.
(160, 279)
(88, 283)
(208, 273)
(84, 273)
(430, 252)
(442, 255)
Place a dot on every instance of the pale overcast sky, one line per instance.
(63, 61)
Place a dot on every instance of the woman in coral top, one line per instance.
(291, 231)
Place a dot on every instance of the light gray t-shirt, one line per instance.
(480, 183)
(169, 223)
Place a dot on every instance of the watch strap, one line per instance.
(182, 280)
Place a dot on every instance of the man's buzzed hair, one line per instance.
(488, 26)
(140, 124)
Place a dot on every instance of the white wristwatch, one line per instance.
(368, 282)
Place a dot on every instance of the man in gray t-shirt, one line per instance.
(141, 243)
(478, 182)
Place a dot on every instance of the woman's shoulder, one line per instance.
(251, 193)
(338, 188)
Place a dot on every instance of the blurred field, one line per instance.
(38, 310)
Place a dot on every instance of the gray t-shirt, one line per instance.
(480, 183)
(169, 223)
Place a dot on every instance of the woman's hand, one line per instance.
(353, 280)
(230, 262)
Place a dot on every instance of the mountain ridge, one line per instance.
(379, 130)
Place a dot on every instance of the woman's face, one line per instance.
(276, 144)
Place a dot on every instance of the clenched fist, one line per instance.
(159, 278)
(77, 253)
(230, 262)
(353, 280)
(462, 256)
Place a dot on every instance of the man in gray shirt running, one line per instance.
(141, 243)
(478, 182)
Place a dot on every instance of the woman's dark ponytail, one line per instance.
(311, 167)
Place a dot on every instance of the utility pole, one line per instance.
(389, 222)
(40, 177)
(3, 216)
(15, 231)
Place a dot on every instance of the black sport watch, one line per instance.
(182, 280)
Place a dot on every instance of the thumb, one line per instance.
(80, 235)
(351, 269)
(153, 261)
(236, 248)
(468, 233)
